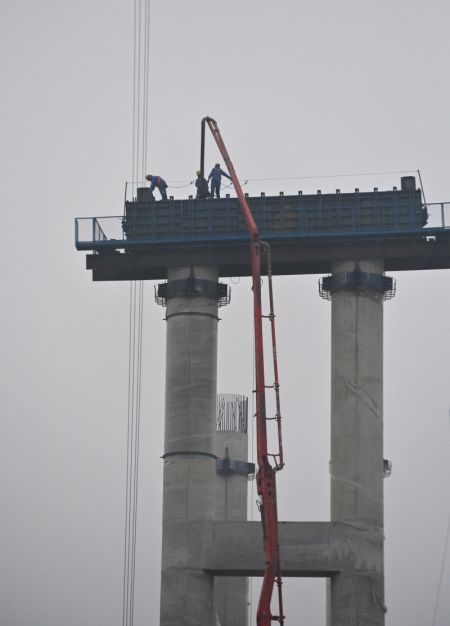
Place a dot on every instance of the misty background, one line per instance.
(299, 89)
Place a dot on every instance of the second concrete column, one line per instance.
(356, 597)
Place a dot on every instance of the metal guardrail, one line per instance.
(97, 231)
(94, 229)
(185, 220)
(441, 211)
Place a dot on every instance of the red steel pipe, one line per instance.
(265, 477)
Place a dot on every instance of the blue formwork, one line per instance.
(277, 217)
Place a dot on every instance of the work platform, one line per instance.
(307, 233)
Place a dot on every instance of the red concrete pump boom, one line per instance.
(265, 477)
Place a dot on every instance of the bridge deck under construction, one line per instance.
(307, 233)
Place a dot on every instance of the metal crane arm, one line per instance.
(265, 477)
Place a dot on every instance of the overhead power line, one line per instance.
(441, 573)
(133, 436)
(141, 69)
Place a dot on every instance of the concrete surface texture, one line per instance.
(231, 594)
(356, 595)
(205, 532)
(189, 463)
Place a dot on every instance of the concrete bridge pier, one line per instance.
(191, 295)
(205, 534)
(231, 594)
(356, 593)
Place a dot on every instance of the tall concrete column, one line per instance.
(189, 453)
(356, 595)
(231, 594)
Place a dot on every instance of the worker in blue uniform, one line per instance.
(159, 183)
(216, 178)
(202, 186)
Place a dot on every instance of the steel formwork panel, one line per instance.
(221, 219)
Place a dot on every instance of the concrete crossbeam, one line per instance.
(427, 251)
(308, 549)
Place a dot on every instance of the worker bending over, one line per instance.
(160, 183)
(216, 177)
(202, 186)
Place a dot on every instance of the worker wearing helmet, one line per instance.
(160, 183)
(216, 178)
(202, 186)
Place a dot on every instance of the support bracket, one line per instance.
(356, 281)
(192, 287)
(228, 467)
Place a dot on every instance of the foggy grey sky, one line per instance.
(299, 88)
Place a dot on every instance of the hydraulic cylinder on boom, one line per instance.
(265, 477)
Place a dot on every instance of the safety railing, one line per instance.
(99, 230)
(438, 214)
